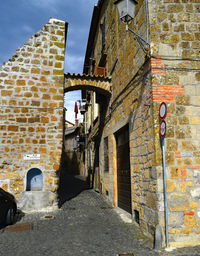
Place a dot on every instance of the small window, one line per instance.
(106, 158)
(137, 216)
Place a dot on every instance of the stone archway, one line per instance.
(98, 84)
(103, 88)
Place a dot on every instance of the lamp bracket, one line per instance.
(143, 43)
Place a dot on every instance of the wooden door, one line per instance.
(123, 170)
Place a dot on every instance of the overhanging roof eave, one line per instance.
(92, 33)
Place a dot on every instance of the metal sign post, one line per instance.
(163, 129)
(165, 193)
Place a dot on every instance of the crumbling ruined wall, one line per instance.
(31, 110)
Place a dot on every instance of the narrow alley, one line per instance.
(85, 225)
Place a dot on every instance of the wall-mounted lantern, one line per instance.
(126, 9)
(126, 12)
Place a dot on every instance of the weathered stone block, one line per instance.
(59, 57)
(170, 132)
(180, 110)
(178, 203)
(194, 205)
(173, 8)
(175, 219)
(28, 94)
(35, 71)
(161, 16)
(184, 17)
(179, 28)
(172, 145)
(34, 120)
(190, 220)
(188, 146)
(187, 36)
(13, 128)
(10, 82)
(157, 158)
(174, 231)
(5, 93)
(182, 187)
(171, 186)
(151, 201)
(35, 103)
(169, 156)
(183, 120)
(46, 96)
(187, 231)
(195, 120)
(21, 120)
(183, 132)
(182, 100)
(60, 45)
(58, 72)
(44, 119)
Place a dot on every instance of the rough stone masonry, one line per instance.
(31, 115)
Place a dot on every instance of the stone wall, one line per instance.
(31, 110)
(131, 103)
(139, 85)
(174, 33)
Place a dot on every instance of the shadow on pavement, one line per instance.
(69, 187)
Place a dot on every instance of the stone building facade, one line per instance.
(126, 145)
(31, 118)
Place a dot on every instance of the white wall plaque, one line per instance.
(32, 157)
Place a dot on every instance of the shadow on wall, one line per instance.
(104, 103)
(70, 184)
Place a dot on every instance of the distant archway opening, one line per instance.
(34, 180)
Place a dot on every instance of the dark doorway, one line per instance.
(123, 169)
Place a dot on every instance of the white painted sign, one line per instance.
(32, 157)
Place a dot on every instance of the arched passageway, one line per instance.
(34, 180)
(101, 86)
(98, 84)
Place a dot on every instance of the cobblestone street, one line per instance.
(85, 225)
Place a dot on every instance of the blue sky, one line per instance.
(20, 19)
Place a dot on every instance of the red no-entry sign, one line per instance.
(162, 115)
(163, 128)
(163, 110)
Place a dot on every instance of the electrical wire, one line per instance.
(171, 58)
(177, 69)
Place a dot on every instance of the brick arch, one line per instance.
(80, 82)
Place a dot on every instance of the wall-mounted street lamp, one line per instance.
(126, 12)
